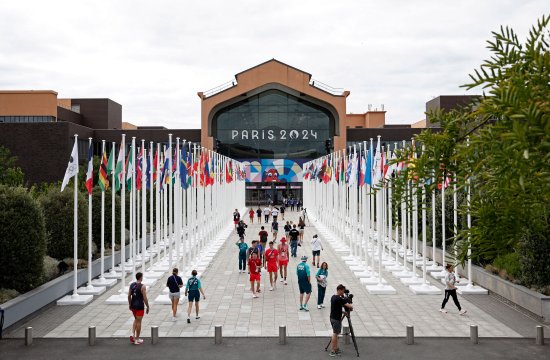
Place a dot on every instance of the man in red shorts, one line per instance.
(254, 266)
(283, 258)
(271, 259)
(137, 300)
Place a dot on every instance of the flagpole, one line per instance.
(152, 248)
(133, 207)
(101, 278)
(75, 230)
(90, 286)
(113, 203)
(123, 217)
(177, 216)
(143, 205)
(170, 203)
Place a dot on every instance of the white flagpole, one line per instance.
(101, 278)
(169, 189)
(143, 204)
(90, 287)
(133, 207)
(123, 218)
(177, 216)
(75, 229)
(113, 201)
(151, 205)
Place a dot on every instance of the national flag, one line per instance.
(139, 169)
(155, 165)
(129, 167)
(353, 173)
(72, 166)
(368, 169)
(103, 171)
(362, 168)
(90, 172)
(377, 164)
(348, 169)
(118, 169)
(342, 172)
(148, 171)
(183, 167)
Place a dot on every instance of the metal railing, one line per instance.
(326, 88)
(220, 88)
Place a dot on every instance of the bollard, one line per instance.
(346, 334)
(218, 334)
(473, 334)
(540, 335)
(28, 336)
(91, 335)
(282, 334)
(154, 335)
(410, 334)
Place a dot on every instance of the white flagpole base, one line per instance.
(118, 299)
(163, 299)
(364, 274)
(75, 299)
(418, 259)
(381, 289)
(472, 290)
(112, 275)
(103, 281)
(414, 280)
(395, 267)
(403, 274)
(341, 250)
(438, 275)
(428, 263)
(425, 289)
(434, 267)
(91, 290)
(374, 280)
(389, 262)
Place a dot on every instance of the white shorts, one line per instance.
(175, 295)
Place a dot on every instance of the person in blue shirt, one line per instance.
(321, 276)
(243, 247)
(193, 291)
(304, 283)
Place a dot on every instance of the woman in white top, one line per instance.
(316, 247)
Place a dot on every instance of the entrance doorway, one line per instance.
(261, 194)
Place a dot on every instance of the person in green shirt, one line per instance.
(243, 247)
(304, 283)
(321, 276)
(193, 291)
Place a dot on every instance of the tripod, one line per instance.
(347, 314)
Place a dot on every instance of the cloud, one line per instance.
(153, 57)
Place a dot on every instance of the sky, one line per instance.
(154, 56)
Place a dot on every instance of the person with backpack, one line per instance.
(282, 249)
(293, 241)
(174, 283)
(270, 263)
(274, 228)
(252, 249)
(193, 291)
(450, 290)
(304, 282)
(241, 229)
(263, 236)
(255, 267)
(243, 247)
(137, 301)
(316, 247)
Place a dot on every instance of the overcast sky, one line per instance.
(154, 56)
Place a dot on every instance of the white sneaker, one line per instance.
(318, 306)
(255, 296)
(462, 312)
(443, 311)
(281, 280)
(270, 289)
(285, 282)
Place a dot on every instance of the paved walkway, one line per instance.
(230, 303)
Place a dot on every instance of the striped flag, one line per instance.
(118, 169)
(90, 172)
(103, 171)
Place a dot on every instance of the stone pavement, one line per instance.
(230, 303)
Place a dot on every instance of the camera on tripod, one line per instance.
(348, 299)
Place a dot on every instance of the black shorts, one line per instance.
(336, 325)
(194, 295)
(316, 252)
(304, 286)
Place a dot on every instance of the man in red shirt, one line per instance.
(270, 263)
(254, 266)
(283, 259)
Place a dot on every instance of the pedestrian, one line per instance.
(292, 203)
(337, 304)
(252, 249)
(193, 291)
(270, 263)
(174, 284)
(450, 290)
(255, 267)
(274, 228)
(267, 212)
(259, 215)
(299, 204)
(236, 217)
(301, 228)
(251, 215)
(282, 210)
(321, 276)
(241, 229)
(274, 213)
(304, 283)
(283, 259)
(293, 241)
(316, 247)
(137, 301)
(287, 228)
(263, 237)
(243, 247)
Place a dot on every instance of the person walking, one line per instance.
(236, 217)
(283, 259)
(274, 213)
(292, 203)
(243, 247)
(337, 304)
(270, 263)
(301, 228)
(450, 290)
(287, 228)
(274, 228)
(259, 214)
(293, 240)
(321, 276)
(263, 236)
(255, 267)
(316, 247)
(241, 229)
(174, 284)
(304, 283)
(251, 215)
(137, 301)
(193, 291)
(282, 210)
(252, 249)
(267, 212)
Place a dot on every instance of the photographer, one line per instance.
(337, 304)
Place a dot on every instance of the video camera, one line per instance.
(348, 298)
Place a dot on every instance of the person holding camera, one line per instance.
(338, 303)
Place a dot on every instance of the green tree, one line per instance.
(10, 173)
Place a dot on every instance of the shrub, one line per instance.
(534, 252)
(22, 240)
(50, 268)
(509, 266)
(7, 295)
(58, 214)
(96, 217)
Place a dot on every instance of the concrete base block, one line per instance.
(372, 280)
(77, 299)
(425, 289)
(411, 281)
(402, 274)
(353, 262)
(394, 268)
(435, 268)
(363, 274)
(381, 289)
(160, 268)
(91, 290)
(105, 282)
(428, 263)
(472, 290)
(112, 275)
(437, 275)
(118, 299)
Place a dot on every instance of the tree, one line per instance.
(10, 173)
